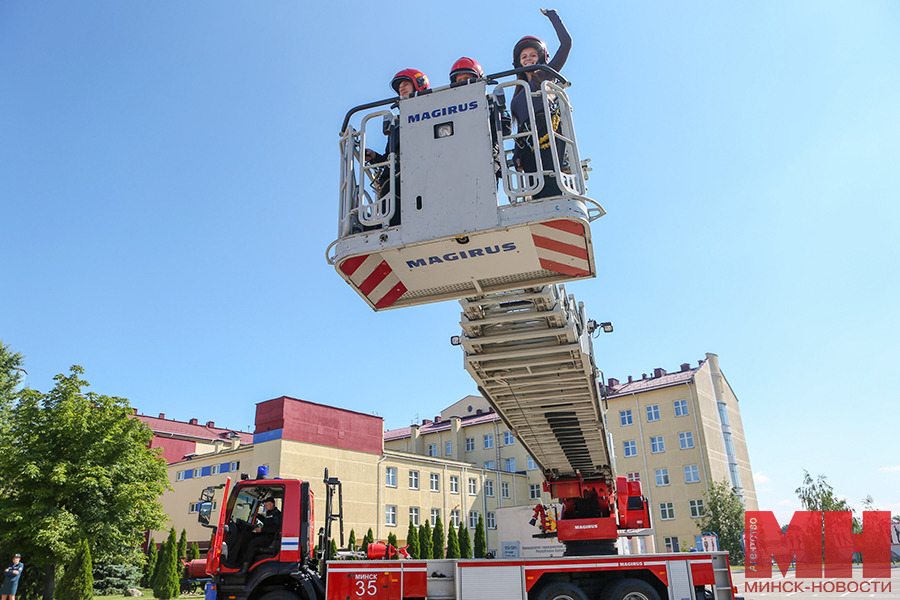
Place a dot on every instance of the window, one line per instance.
(413, 480)
(657, 445)
(489, 441)
(194, 507)
(653, 413)
(510, 465)
(630, 448)
(390, 476)
(454, 484)
(691, 474)
(534, 491)
(435, 482)
(414, 515)
(390, 515)
(491, 520)
(625, 417)
(454, 517)
(633, 476)
(448, 448)
(489, 464)
(666, 511)
(729, 444)
(696, 508)
(216, 469)
(723, 413)
(435, 515)
(662, 477)
(489, 488)
(473, 487)
(671, 544)
(470, 444)
(180, 476)
(235, 465)
(532, 466)
(504, 489)
(432, 449)
(473, 519)
(681, 409)
(198, 472)
(508, 438)
(735, 476)
(686, 440)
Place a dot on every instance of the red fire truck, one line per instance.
(501, 251)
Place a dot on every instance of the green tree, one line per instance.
(437, 539)
(115, 579)
(412, 540)
(370, 537)
(392, 540)
(149, 570)
(182, 544)
(452, 542)
(332, 552)
(166, 585)
(194, 552)
(465, 542)
(426, 542)
(74, 466)
(480, 539)
(11, 373)
(724, 516)
(77, 581)
(351, 541)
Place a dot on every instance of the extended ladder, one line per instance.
(530, 353)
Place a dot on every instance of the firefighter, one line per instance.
(263, 535)
(467, 69)
(405, 83)
(530, 51)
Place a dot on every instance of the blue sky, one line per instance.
(168, 186)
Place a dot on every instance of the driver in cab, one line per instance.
(263, 535)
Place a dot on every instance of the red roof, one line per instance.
(653, 383)
(431, 427)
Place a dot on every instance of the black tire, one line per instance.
(562, 590)
(630, 589)
(280, 595)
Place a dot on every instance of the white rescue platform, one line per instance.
(457, 235)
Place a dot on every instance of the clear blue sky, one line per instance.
(168, 186)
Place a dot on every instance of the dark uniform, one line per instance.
(11, 579)
(271, 527)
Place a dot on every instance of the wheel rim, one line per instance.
(635, 596)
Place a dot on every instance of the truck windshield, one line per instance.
(244, 507)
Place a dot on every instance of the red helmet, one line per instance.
(414, 76)
(466, 65)
(529, 41)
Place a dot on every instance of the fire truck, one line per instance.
(474, 229)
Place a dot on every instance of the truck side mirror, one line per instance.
(204, 510)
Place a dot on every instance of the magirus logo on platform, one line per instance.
(823, 548)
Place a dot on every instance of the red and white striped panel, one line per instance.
(562, 248)
(374, 279)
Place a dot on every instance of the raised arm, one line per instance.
(565, 40)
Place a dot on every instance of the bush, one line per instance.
(168, 577)
(115, 579)
(150, 560)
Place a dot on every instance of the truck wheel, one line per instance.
(279, 595)
(562, 590)
(630, 589)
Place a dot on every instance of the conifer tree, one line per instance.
(426, 543)
(452, 542)
(480, 540)
(392, 540)
(367, 540)
(149, 565)
(412, 540)
(437, 539)
(182, 544)
(465, 542)
(166, 585)
(194, 552)
(77, 582)
(332, 552)
(351, 541)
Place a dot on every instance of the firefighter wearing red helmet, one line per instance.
(415, 78)
(530, 51)
(405, 83)
(465, 68)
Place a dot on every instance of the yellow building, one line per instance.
(676, 433)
